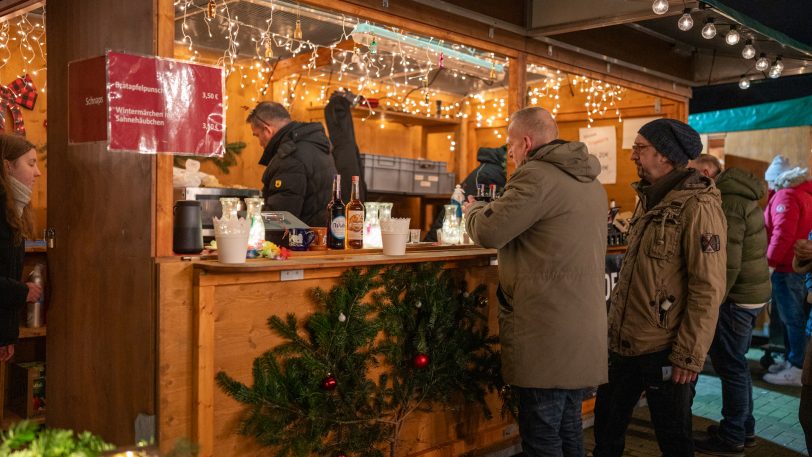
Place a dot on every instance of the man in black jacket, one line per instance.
(492, 169)
(299, 166)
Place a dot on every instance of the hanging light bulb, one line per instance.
(749, 50)
(762, 63)
(660, 6)
(779, 64)
(775, 72)
(685, 22)
(744, 83)
(732, 37)
(211, 9)
(709, 30)
(297, 32)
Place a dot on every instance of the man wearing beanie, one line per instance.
(664, 308)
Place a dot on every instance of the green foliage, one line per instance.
(372, 320)
(223, 164)
(25, 439)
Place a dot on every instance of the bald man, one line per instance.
(550, 229)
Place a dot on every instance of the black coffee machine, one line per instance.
(187, 231)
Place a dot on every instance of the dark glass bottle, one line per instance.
(355, 218)
(336, 218)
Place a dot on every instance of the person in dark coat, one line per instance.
(18, 173)
(491, 170)
(338, 116)
(299, 164)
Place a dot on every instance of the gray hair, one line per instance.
(267, 113)
(711, 162)
(535, 122)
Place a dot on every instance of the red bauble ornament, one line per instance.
(329, 383)
(420, 361)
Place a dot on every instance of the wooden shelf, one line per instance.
(27, 332)
(10, 417)
(394, 116)
(33, 249)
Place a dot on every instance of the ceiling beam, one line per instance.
(605, 21)
(298, 64)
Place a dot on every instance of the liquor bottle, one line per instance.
(355, 218)
(480, 193)
(336, 218)
(492, 191)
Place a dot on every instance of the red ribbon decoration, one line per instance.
(21, 92)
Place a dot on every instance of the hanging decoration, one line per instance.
(211, 10)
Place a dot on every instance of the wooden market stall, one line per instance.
(132, 335)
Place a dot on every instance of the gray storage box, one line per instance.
(386, 173)
(447, 183)
(426, 177)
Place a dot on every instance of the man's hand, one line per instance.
(34, 292)
(683, 375)
(467, 204)
(803, 250)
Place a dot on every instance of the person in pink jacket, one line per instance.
(788, 218)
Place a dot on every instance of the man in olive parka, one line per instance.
(663, 310)
(747, 289)
(550, 229)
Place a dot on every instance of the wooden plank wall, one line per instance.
(242, 304)
(101, 338)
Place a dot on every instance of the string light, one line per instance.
(25, 36)
(762, 63)
(749, 51)
(744, 83)
(732, 37)
(685, 22)
(709, 30)
(660, 7)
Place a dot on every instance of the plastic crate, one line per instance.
(447, 183)
(387, 173)
(426, 177)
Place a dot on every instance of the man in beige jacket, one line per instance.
(550, 229)
(664, 308)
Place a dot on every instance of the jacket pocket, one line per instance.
(664, 238)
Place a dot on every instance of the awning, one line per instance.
(787, 113)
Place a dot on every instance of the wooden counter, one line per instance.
(212, 317)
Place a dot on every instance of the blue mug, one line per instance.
(299, 239)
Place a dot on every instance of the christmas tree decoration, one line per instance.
(441, 62)
(492, 74)
(386, 328)
(342, 317)
(211, 10)
(297, 32)
(420, 361)
(268, 48)
(373, 46)
(329, 383)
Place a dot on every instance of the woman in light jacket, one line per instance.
(18, 173)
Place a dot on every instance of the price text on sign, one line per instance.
(162, 105)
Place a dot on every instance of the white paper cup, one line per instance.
(232, 248)
(394, 243)
(414, 235)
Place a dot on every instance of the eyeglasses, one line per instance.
(639, 147)
(253, 116)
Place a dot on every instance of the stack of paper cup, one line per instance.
(395, 234)
(232, 239)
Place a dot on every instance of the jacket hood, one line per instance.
(570, 157)
(296, 132)
(495, 156)
(793, 177)
(734, 181)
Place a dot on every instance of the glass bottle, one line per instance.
(355, 218)
(385, 211)
(372, 228)
(451, 225)
(337, 220)
(230, 206)
(254, 209)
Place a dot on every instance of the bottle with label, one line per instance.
(355, 218)
(35, 311)
(336, 218)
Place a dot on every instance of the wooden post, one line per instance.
(517, 86)
(203, 409)
(162, 178)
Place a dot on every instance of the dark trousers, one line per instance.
(805, 414)
(550, 422)
(734, 330)
(669, 404)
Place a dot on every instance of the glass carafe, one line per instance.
(257, 231)
(230, 207)
(451, 225)
(372, 226)
(385, 211)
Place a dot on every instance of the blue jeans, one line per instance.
(734, 331)
(789, 294)
(669, 404)
(550, 422)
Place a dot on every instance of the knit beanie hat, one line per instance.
(779, 165)
(674, 139)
